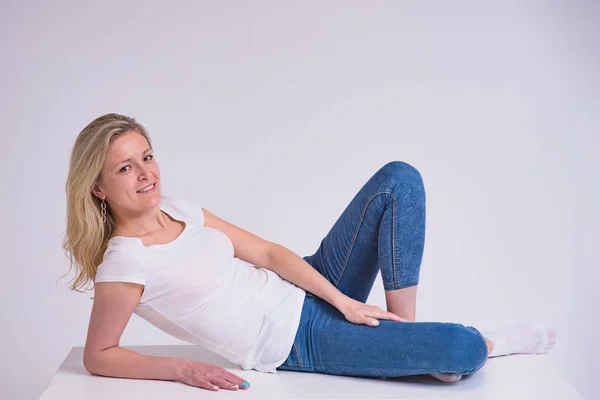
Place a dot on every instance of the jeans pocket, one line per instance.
(294, 358)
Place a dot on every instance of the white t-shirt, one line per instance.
(197, 291)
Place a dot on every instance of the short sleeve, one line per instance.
(120, 266)
(186, 209)
(193, 209)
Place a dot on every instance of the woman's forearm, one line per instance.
(296, 270)
(124, 363)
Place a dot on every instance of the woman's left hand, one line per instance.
(361, 313)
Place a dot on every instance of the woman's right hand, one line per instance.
(209, 376)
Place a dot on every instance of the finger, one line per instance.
(378, 313)
(206, 385)
(224, 384)
(381, 314)
(395, 317)
(234, 379)
(369, 316)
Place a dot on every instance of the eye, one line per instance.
(123, 169)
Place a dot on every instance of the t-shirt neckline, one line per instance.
(165, 207)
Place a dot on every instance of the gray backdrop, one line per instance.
(273, 114)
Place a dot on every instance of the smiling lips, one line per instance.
(148, 188)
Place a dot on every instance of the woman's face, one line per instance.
(129, 167)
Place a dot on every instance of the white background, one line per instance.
(272, 115)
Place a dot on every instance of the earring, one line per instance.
(103, 211)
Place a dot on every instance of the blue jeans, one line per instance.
(382, 229)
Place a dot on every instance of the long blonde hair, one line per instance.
(86, 236)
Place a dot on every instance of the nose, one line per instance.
(144, 173)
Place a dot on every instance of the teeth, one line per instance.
(146, 188)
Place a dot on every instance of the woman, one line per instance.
(254, 302)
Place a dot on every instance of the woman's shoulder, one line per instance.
(187, 209)
(119, 247)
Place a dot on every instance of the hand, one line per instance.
(209, 376)
(361, 313)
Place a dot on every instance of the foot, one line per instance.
(523, 338)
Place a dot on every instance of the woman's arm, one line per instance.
(266, 254)
(124, 363)
(294, 269)
(291, 267)
(114, 303)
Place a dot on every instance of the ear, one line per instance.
(97, 191)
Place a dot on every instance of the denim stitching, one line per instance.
(298, 354)
(425, 370)
(358, 228)
(291, 363)
(414, 282)
(394, 261)
(388, 368)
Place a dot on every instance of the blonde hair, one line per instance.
(86, 236)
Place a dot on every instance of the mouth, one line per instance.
(148, 189)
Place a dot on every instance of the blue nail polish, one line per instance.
(245, 384)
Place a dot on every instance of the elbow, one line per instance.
(89, 366)
(90, 361)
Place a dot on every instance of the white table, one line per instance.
(509, 377)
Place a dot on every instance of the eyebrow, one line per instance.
(129, 159)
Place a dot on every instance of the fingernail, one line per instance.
(235, 385)
(216, 387)
(245, 384)
(374, 322)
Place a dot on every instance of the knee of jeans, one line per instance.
(468, 349)
(400, 172)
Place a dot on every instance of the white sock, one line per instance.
(448, 378)
(522, 338)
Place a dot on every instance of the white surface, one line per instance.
(511, 377)
(272, 114)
